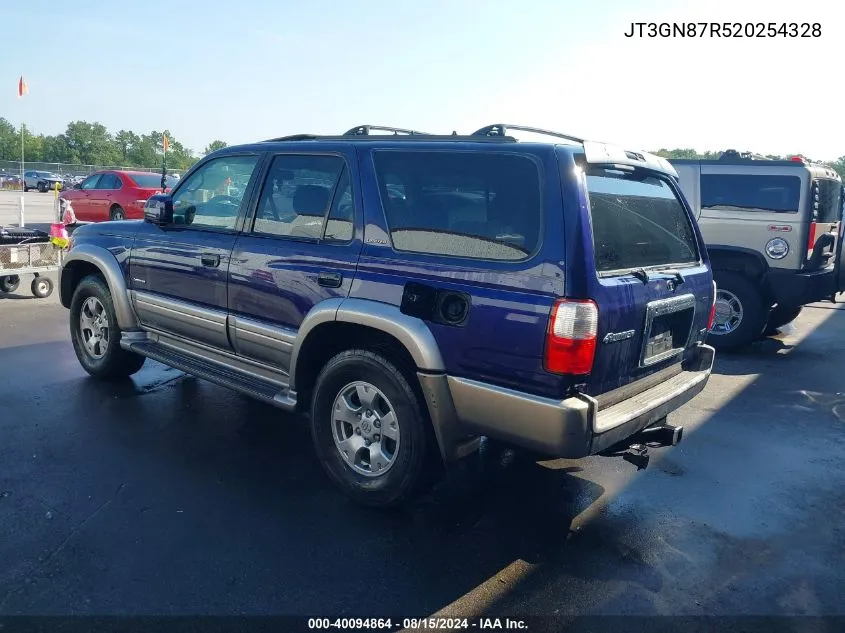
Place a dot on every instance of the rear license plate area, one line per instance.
(667, 328)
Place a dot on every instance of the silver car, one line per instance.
(41, 180)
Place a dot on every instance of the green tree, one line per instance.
(10, 141)
(678, 153)
(214, 146)
(125, 141)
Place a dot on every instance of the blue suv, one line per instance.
(414, 293)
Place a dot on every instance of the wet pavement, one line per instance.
(169, 495)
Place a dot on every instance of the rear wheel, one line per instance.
(117, 214)
(739, 316)
(9, 283)
(780, 316)
(369, 428)
(95, 335)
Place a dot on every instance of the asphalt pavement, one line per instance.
(39, 208)
(169, 495)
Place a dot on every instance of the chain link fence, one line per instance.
(10, 171)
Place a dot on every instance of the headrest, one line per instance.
(311, 200)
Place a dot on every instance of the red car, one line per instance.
(114, 195)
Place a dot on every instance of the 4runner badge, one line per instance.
(615, 337)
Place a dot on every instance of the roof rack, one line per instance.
(364, 130)
(732, 154)
(501, 129)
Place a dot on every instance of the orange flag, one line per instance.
(165, 143)
(23, 88)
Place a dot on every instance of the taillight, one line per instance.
(571, 337)
(712, 310)
(811, 240)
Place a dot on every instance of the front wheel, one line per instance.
(41, 287)
(95, 335)
(42, 187)
(369, 428)
(739, 316)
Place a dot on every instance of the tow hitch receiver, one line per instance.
(637, 454)
(635, 449)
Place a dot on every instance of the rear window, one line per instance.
(151, 181)
(462, 204)
(830, 200)
(638, 222)
(736, 192)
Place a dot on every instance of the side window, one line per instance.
(210, 198)
(91, 182)
(341, 221)
(748, 192)
(297, 195)
(108, 182)
(479, 205)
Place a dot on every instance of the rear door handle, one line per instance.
(330, 280)
(212, 261)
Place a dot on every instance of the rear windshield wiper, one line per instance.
(674, 274)
(643, 275)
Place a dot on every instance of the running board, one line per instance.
(215, 372)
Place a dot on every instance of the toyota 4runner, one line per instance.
(774, 233)
(414, 293)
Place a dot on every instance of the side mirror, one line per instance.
(77, 185)
(159, 210)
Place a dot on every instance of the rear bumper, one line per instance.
(572, 428)
(798, 288)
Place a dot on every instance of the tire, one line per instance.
(780, 316)
(42, 187)
(402, 459)
(735, 291)
(117, 213)
(41, 287)
(10, 283)
(105, 359)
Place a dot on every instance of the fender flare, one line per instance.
(411, 332)
(111, 271)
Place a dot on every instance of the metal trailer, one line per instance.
(27, 252)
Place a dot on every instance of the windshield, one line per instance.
(151, 181)
(830, 200)
(638, 222)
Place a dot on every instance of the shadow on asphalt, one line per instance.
(491, 510)
(743, 517)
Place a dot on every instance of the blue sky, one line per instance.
(252, 69)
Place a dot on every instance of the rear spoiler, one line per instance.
(596, 153)
(605, 153)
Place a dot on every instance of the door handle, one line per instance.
(212, 261)
(329, 280)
